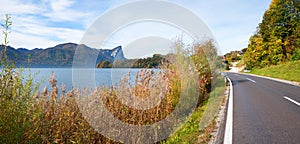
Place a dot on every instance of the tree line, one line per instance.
(150, 62)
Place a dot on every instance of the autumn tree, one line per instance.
(104, 64)
(278, 36)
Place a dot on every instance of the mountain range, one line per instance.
(61, 55)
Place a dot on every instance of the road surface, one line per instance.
(264, 111)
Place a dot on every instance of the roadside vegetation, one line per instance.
(287, 71)
(274, 49)
(234, 58)
(277, 39)
(30, 116)
(201, 124)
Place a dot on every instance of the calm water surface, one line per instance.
(64, 76)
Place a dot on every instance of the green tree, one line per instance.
(277, 36)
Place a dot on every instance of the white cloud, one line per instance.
(42, 37)
(61, 5)
(32, 36)
(62, 10)
(50, 35)
(18, 7)
(20, 40)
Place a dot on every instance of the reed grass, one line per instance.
(30, 116)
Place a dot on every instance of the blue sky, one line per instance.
(46, 23)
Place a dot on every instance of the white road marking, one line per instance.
(229, 119)
(291, 100)
(251, 80)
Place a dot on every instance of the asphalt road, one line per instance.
(264, 111)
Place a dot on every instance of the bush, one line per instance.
(296, 55)
(16, 98)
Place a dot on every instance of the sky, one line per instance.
(46, 23)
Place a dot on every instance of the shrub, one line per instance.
(16, 98)
(296, 55)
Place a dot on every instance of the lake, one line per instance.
(64, 76)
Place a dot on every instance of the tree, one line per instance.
(104, 64)
(277, 37)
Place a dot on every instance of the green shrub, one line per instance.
(16, 98)
(296, 55)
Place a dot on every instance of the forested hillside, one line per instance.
(61, 55)
(277, 39)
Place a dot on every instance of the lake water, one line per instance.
(66, 76)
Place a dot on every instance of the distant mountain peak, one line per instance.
(64, 44)
(115, 51)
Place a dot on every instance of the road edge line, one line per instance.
(229, 117)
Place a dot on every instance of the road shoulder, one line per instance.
(275, 79)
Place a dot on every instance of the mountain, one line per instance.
(116, 53)
(61, 55)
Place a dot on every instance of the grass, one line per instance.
(287, 71)
(202, 122)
